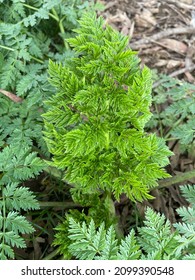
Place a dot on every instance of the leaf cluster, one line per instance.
(31, 33)
(16, 164)
(26, 45)
(95, 122)
(176, 119)
(155, 240)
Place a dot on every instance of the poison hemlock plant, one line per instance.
(94, 128)
(16, 164)
(156, 240)
(95, 123)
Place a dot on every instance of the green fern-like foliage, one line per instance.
(187, 226)
(176, 120)
(16, 164)
(13, 200)
(95, 122)
(31, 33)
(156, 240)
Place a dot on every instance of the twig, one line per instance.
(177, 11)
(11, 96)
(183, 70)
(175, 73)
(110, 4)
(179, 30)
(181, 5)
(176, 179)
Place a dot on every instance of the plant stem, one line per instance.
(112, 213)
(53, 171)
(60, 23)
(11, 49)
(55, 16)
(37, 59)
(58, 204)
(7, 48)
(172, 139)
(4, 221)
(160, 122)
(176, 179)
(36, 9)
(51, 255)
(175, 124)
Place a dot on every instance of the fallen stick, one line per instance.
(179, 30)
(177, 179)
(181, 5)
(183, 70)
(110, 5)
(175, 73)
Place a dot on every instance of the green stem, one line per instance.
(36, 9)
(55, 16)
(37, 59)
(107, 134)
(107, 140)
(160, 122)
(51, 255)
(175, 124)
(112, 213)
(7, 48)
(176, 179)
(58, 204)
(4, 219)
(62, 30)
(53, 171)
(11, 49)
(172, 139)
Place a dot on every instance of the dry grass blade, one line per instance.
(11, 96)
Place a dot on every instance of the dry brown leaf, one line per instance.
(157, 201)
(175, 158)
(121, 18)
(173, 63)
(174, 45)
(151, 50)
(190, 78)
(163, 54)
(11, 95)
(185, 164)
(37, 249)
(145, 19)
(171, 215)
(176, 195)
(161, 63)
